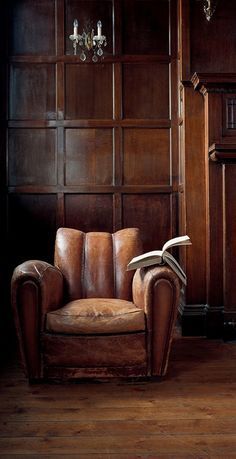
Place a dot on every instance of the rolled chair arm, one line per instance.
(36, 288)
(157, 291)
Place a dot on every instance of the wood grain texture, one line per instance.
(89, 91)
(32, 26)
(145, 31)
(32, 157)
(146, 157)
(140, 209)
(195, 199)
(149, 100)
(32, 91)
(89, 212)
(229, 176)
(213, 49)
(189, 413)
(89, 157)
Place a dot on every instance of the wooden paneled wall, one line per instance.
(90, 146)
(207, 48)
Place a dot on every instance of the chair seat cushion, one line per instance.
(96, 316)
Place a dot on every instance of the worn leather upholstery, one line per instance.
(87, 316)
(96, 316)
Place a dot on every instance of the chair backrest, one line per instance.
(94, 264)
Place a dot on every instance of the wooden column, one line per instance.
(219, 93)
(193, 210)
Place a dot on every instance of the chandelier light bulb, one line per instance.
(99, 26)
(76, 24)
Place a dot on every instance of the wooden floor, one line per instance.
(189, 414)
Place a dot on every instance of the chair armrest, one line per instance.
(36, 288)
(157, 290)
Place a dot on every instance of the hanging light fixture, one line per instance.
(88, 43)
(209, 8)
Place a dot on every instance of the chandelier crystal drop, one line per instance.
(209, 8)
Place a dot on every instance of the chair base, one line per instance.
(69, 373)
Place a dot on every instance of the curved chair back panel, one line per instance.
(94, 264)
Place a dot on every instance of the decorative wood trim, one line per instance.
(117, 28)
(229, 331)
(117, 211)
(99, 189)
(92, 123)
(60, 210)
(60, 28)
(214, 82)
(67, 59)
(187, 83)
(214, 321)
(184, 39)
(229, 115)
(193, 319)
(222, 152)
(203, 320)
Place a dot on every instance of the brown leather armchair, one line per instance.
(87, 316)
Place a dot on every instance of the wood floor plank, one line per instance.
(162, 413)
(133, 444)
(64, 429)
(119, 391)
(115, 456)
(129, 402)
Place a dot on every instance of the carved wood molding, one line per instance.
(214, 82)
(223, 152)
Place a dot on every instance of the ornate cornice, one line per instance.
(223, 152)
(214, 82)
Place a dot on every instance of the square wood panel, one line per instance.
(32, 27)
(146, 157)
(145, 26)
(89, 157)
(32, 91)
(152, 214)
(89, 212)
(89, 91)
(32, 226)
(31, 157)
(146, 91)
(213, 43)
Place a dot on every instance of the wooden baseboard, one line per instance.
(229, 327)
(193, 319)
(214, 321)
(210, 321)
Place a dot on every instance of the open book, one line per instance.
(161, 257)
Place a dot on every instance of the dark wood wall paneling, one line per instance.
(4, 278)
(91, 146)
(207, 205)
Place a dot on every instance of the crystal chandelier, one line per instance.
(88, 42)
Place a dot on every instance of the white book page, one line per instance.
(171, 261)
(174, 261)
(181, 240)
(147, 255)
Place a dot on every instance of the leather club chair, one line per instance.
(87, 316)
